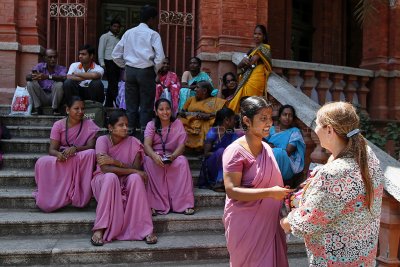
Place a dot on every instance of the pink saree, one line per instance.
(252, 229)
(62, 183)
(122, 207)
(169, 188)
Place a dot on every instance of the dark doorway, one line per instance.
(302, 30)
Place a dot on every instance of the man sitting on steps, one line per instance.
(84, 77)
(45, 83)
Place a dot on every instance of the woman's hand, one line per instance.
(143, 175)
(61, 157)
(158, 160)
(245, 62)
(285, 225)
(69, 152)
(279, 193)
(103, 159)
(203, 116)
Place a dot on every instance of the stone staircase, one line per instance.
(29, 237)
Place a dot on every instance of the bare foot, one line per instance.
(151, 239)
(97, 238)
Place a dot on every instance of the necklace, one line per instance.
(112, 143)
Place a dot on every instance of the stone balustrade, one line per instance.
(279, 92)
(323, 83)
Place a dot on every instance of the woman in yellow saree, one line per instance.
(198, 114)
(256, 67)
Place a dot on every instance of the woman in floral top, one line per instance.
(339, 213)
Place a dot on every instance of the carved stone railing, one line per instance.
(323, 83)
(282, 92)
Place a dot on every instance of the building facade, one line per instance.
(299, 31)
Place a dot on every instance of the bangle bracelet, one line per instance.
(121, 164)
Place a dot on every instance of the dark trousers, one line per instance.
(113, 75)
(140, 91)
(95, 90)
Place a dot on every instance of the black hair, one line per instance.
(115, 115)
(90, 49)
(157, 121)
(147, 12)
(223, 114)
(115, 21)
(284, 107)
(226, 75)
(71, 101)
(207, 85)
(251, 106)
(197, 59)
(264, 31)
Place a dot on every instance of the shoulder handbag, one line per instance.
(95, 111)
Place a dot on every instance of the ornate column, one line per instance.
(292, 77)
(362, 92)
(319, 155)
(350, 89)
(337, 86)
(322, 87)
(308, 83)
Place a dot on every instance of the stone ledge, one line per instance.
(15, 46)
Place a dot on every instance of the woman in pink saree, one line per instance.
(170, 186)
(167, 79)
(255, 192)
(118, 184)
(64, 176)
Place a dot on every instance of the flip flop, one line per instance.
(153, 212)
(151, 239)
(96, 243)
(189, 211)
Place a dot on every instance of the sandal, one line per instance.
(97, 243)
(153, 212)
(189, 211)
(151, 239)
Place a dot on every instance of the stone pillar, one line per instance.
(223, 27)
(394, 62)
(21, 41)
(375, 57)
(389, 233)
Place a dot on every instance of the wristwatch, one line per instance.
(50, 77)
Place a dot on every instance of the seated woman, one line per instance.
(288, 144)
(118, 184)
(229, 86)
(255, 67)
(198, 114)
(221, 135)
(170, 186)
(64, 176)
(167, 79)
(189, 80)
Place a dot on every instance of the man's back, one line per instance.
(140, 47)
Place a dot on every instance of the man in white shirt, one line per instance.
(84, 77)
(106, 45)
(142, 51)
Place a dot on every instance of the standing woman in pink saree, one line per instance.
(170, 186)
(64, 176)
(118, 184)
(254, 189)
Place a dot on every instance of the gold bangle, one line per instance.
(121, 164)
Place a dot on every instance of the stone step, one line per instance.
(42, 120)
(21, 198)
(293, 262)
(75, 221)
(21, 160)
(76, 249)
(25, 178)
(17, 178)
(36, 131)
(19, 145)
(177, 248)
(29, 131)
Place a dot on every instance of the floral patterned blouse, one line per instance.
(333, 217)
